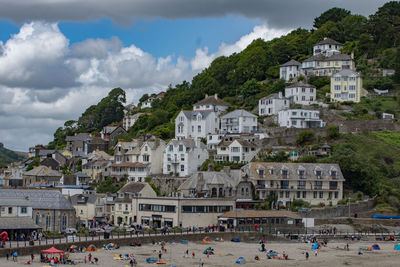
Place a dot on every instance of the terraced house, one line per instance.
(312, 182)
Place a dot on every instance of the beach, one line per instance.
(227, 253)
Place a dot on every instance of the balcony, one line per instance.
(317, 187)
(333, 188)
(301, 187)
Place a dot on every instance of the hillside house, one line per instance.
(272, 104)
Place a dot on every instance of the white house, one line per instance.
(196, 124)
(238, 150)
(239, 121)
(301, 93)
(139, 158)
(300, 118)
(129, 120)
(211, 103)
(327, 47)
(290, 70)
(272, 104)
(184, 157)
(202, 120)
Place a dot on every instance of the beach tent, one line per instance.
(397, 247)
(240, 260)
(52, 250)
(315, 246)
(235, 239)
(376, 247)
(209, 250)
(91, 248)
(151, 260)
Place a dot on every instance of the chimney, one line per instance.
(216, 96)
(280, 95)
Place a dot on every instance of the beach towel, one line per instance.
(241, 260)
(315, 246)
(397, 247)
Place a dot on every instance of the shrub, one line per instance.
(304, 137)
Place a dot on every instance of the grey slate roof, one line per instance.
(209, 178)
(274, 96)
(14, 223)
(43, 171)
(79, 137)
(337, 57)
(186, 142)
(292, 169)
(39, 199)
(132, 187)
(328, 41)
(238, 113)
(211, 100)
(14, 202)
(347, 72)
(300, 84)
(291, 63)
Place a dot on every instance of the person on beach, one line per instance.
(159, 255)
(307, 255)
(202, 262)
(193, 254)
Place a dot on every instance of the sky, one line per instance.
(58, 57)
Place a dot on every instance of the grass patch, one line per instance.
(389, 137)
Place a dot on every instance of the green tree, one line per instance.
(250, 88)
(334, 15)
(333, 132)
(305, 137)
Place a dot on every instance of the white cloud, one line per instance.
(44, 81)
(203, 59)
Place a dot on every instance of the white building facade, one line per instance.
(239, 121)
(290, 71)
(272, 104)
(301, 93)
(300, 118)
(183, 157)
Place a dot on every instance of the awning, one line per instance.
(18, 223)
(223, 219)
(145, 218)
(168, 220)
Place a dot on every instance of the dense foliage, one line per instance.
(7, 156)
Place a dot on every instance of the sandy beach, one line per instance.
(332, 255)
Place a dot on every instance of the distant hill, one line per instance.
(7, 156)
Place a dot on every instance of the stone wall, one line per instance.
(340, 210)
(360, 221)
(243, 236)
(287, 136)
(353, 126)
(167, 185)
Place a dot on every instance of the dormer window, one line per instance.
(284, 173)
(121, 195)
(333, 174)
(301, 173)
(271, 171)
(260, 172)
(318, 173)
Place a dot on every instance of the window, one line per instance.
(336, 194)
(337, 87)
(126, 206)
(315, 194)
(352, 87)
(301, 173)
(352, 95)
(281, 194)
(37, 217)
(287, 194)
(170, 148)
(48, 220)
(298, 194)
(168, 168)
(304, 194)
(235, 149)
(180, 147)
(303, 98)
(199, 129)
(321, 194)
(146, 158)
(318, 173)
(182, 168)
(64, 221)
(344, 78)
(10, 210)
(303, 90)
(23, 210)
(285, 173)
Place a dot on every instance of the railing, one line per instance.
(275, 230)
